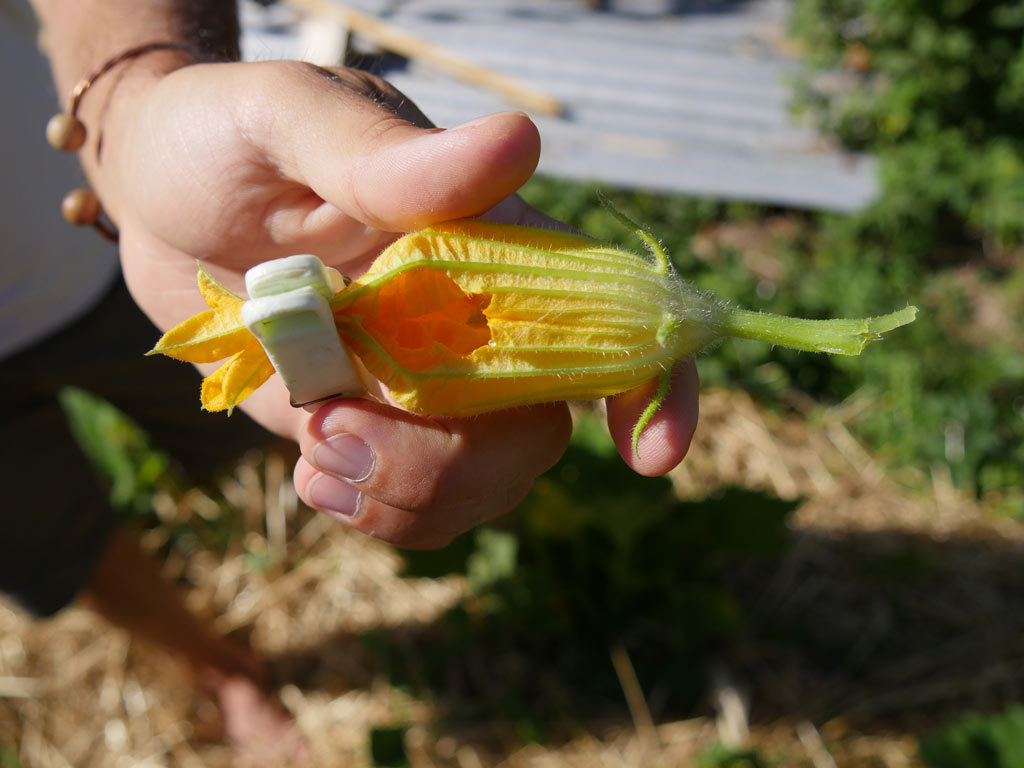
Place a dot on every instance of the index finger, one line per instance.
(418, 481)
(666, 439)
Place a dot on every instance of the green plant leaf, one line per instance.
(977, 741)
(720, 756)
(117, 446)
(387, 747)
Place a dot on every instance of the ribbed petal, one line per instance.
(215, 294)
(207, 337)
(566, 318)
(238, 378)
(469, 316)
(212, 335)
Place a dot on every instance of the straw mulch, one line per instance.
(910, 594)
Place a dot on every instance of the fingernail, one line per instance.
(332, 496)
(481, 120)
(344, 456)
(472, 123)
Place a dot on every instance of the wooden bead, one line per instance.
(81, 206)
(65, 132)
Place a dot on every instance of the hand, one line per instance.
(235, 164)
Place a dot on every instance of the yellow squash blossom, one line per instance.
(213, 335)
(468, 316)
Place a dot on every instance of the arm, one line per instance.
(79, 35)
(236, 163)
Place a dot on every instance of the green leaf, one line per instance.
(387, 747)
(494, 559)
(977, 741)
(720, 756)
(9, 758)
(117, 446)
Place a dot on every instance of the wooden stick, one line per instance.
(391, 38)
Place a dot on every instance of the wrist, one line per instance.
(80, 36)
(77, 36)
(110, 109)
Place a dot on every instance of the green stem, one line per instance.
(664, 385)
(838, 337)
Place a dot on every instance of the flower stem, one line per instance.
(664, 384)
(839, 337)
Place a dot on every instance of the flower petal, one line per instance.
(207, 337)
(468, 317)
(238, 378)
(216, 295)
(423, 319)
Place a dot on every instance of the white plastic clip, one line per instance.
(289, 312)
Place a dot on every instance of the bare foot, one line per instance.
(255, 725)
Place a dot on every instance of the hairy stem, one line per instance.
(664, 384)
(838, 337)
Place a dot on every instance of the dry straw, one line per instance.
(76, 693)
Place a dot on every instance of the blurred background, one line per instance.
(834, 575)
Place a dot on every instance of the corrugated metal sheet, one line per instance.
(677, 96)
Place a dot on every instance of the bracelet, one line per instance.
(67, 133)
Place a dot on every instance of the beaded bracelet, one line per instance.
(66, 132)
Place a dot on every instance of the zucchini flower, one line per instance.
(468, 316)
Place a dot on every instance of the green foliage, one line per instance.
(118, 447)
(596, 557)
(977, 741)
(672, 219)
(387, 747)
(940, 95)
(126, 459)
(9, 758)
(720, 756)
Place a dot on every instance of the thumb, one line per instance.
(411, 178)
(370, 163)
